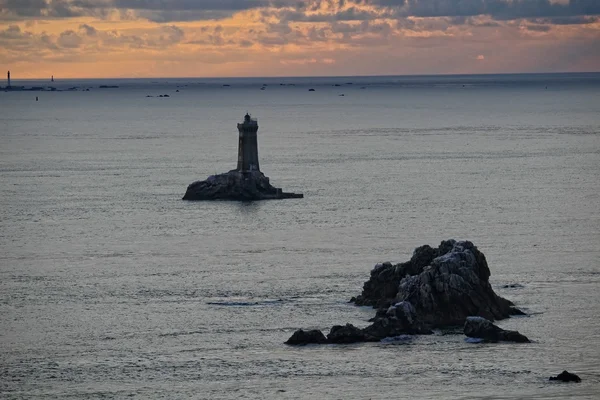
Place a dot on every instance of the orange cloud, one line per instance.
(318, 37)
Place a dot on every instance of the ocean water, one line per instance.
(111, 286)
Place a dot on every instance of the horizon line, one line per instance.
(309, 76)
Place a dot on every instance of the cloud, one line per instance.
(13, 32)
(86, 39)
(163, 37)
(165, 16)
(88, 30)
(574, 20)
(299, 36)
(171, 34)
(69, 39)
(188, 5)
(23, 9)
(296, 10)
(305, 61)
(538, 28)
(153, 10)
(20, 44)
(498, 9)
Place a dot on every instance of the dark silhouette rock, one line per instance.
(348, 334)
(381, 289)
(437, 288)
(444, 285)
(481, 328)
(236, 185)
(516, 311)
(566, 376)
(301, 337)
(400, 318)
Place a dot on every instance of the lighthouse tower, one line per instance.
(8, 79)
(248, 145)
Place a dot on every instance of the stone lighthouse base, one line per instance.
(236, 185)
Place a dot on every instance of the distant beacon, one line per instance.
(8, 79)
(248, 145)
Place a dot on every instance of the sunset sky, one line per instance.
(222, 38)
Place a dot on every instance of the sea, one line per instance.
(111, 286)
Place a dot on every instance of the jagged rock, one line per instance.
(566, 376)
(438, 288)
(478, 327)
(398, 319)
(379, 291)
(301, 337)
(444, 285)
(347, 334)
(236, 185)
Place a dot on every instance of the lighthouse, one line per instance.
(8, 79)
(246, 182)
(248, 145)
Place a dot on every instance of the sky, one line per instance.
(246, 38)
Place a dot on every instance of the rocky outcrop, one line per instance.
(301, 337)
(398, 319)
(438, 288)
(338, 334)
(348, 334)
(481, 328)
(566, 376)
(236, 185)
(444, 285)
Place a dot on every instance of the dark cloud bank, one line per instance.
(180, 10)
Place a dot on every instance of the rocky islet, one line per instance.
(437, 288)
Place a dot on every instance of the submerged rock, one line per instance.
(301, 337)
(401, 339)
(236, 185)
(512, 286)
(566, 376)
(481, 328)
(437, 288)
